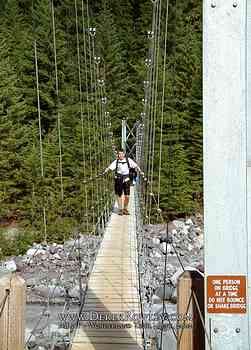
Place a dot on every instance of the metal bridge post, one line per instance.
(124, 135)
(227, 173)
(248, 50)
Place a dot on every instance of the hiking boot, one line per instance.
(120, 212)
(126, 212)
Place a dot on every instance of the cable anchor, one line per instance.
(97, 60)
(148, 62)
(101, 82)
(146, 83)
(150, 34)
(92, 32)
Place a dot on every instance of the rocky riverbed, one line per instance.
(52, 273)
(183, 245)
(52, 276)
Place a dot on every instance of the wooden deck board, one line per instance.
(113, 288)
(86, 346)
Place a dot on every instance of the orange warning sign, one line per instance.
(226, 294)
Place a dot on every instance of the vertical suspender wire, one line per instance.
(108, 151)
(102, 148)
(96, 128)
(163, 103)
(100, 139)
(71, 58)
(160, 151)
(87, 103)
(57, 93)
(147, 101)
(158, 34)
(39, 113)
(171, 141)
(151, 73)
(151, 102)
(151, 99)
(147, 94)
(41, 151)
(170, 155)
(90, 68)
(145, 131)
(151, 137)
(40, 137)
(152, 82)
(147, 105)
(102, 128)
(141, 181)
(150, 90)
(81, 111)
(103, 141)
(144, 185)
(58, 125)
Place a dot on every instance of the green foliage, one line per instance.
(181, 175)
(17, 244)
(122, 44)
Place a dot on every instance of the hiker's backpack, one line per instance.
(132, 171)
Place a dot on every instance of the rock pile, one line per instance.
(51, 272)
(183, 244)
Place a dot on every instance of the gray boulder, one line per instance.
(168, 291)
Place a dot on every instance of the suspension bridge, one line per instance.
(114, 289)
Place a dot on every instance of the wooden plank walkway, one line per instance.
(113, 291)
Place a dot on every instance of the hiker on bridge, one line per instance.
(125, 169)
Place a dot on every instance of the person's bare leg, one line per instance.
(119, 200)
(126, 202)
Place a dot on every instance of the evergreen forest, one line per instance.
(71, 70)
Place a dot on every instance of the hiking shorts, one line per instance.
(121, 186)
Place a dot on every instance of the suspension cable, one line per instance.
(108, 150)
(40, 138)
(81, 112)
(91, 78)
(163, 101)
(87, 102)
(170, 155)
(158, 34)
(83, 148)
(77, 238)
(95, 124)
(149, 98)
(102, 140)
(57, 94)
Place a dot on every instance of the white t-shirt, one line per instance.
(122, 166)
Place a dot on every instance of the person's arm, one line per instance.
(111, 167)
(134, 165)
